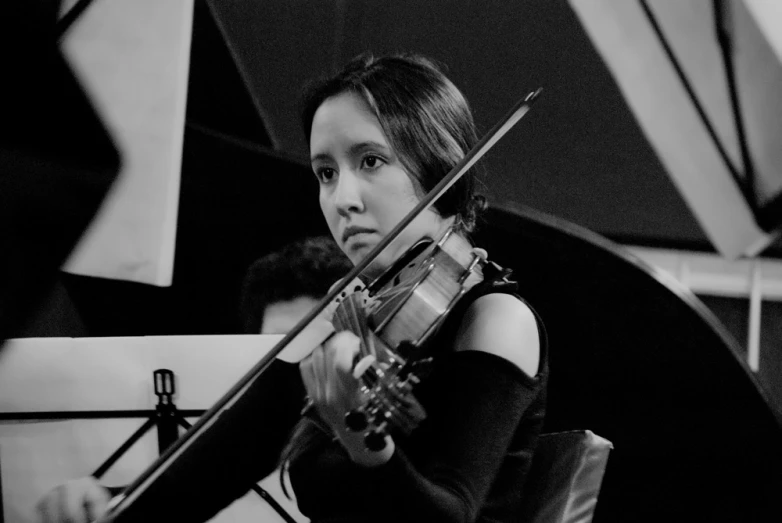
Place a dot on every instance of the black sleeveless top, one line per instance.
(466, 462)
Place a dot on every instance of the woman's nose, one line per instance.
(348, 194)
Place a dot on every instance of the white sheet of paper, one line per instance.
(133, 57)
(624, 36)
(768, 15)
(62, 374)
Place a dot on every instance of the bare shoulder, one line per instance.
(502, 325)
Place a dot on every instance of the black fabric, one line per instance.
(466, 462)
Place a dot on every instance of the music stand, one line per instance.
(167, 419)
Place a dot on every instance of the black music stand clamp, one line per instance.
(167, 418)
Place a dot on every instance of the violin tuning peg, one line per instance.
(363, 365)
(481, 253)
(356, 420)
(412, 380)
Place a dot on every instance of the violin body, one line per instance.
(395, 317)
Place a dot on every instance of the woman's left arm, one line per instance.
(487, 384)
(484, 387)
(502, 325)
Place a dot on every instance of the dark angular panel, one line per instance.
(649, 367)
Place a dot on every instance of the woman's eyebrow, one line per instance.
(321, 157)
(356, 148)
(369, 144)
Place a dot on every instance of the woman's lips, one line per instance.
(358, 233)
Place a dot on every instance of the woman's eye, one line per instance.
(372, 162)
(325, 174)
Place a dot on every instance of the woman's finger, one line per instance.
(318, 374)
(96, 502)
(71, 504)
(307, 375)
(345, 353)
(47, 509)
(343, 345)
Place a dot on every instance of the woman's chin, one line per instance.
(357, 251)
(355, 255)
(375, 269)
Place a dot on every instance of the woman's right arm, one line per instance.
(197, 489)
(78, 501)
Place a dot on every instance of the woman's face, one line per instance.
(364, 190)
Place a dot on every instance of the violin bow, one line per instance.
(146, 479)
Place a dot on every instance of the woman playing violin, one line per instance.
(383, 132)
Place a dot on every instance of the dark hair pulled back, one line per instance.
(424, 116)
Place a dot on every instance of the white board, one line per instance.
(132, 57)
(624, 36)
(78, 374)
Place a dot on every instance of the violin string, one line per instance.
(366, 332)
(351, 315)
(356, 323)
(402, 288)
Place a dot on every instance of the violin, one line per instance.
(394, 316)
